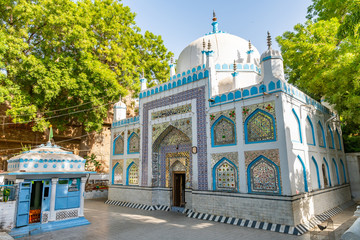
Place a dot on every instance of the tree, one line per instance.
(322, 56)
(78, 56)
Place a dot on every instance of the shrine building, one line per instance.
(227, 137)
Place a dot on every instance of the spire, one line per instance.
(209, 45)
(269, 40)
(204, 44)
(249, 45)
(214, 23)
(172, 68)
(143, 81)
(235, 66)
(214, 16)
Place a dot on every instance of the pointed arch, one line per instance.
(165, 133)
(132, 174)
(331, 140)
(317, 171)
(223, 132)
(337, 171)
(259, 127)
(299, 128)
(118, 145)
(321, 135)
(225, 175)
(306, 189)
(328, 171)
(344, 171)
(310, 133)
(117, 178)
(133, 145)
(263, 176)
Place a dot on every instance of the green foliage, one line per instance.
(322, 57)
(55, 54)
(91, 163)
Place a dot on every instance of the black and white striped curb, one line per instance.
(137, 205)
(246, 223)
(318, 219)
(297, 230)
(130, 205)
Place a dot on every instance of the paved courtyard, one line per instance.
(113, 222)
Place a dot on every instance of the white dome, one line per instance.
(46, 158)
(226, 47)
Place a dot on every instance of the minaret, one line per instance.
(143, 82)
(235, 77)
(172, 68)
(203, 52)
(272, 66)
(119, 111)
(214, 86)
(249, 53)
(215, 23)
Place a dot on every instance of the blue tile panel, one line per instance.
(199, 95)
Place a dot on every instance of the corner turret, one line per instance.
(272, 63)
(119, 111)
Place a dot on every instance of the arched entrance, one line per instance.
(171, 163)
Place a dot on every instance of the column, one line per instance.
(52, 199)
(82, 191)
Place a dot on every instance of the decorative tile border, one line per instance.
(199, 95)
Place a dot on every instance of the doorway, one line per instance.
(178, 189)
(36, 202)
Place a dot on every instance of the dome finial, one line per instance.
(204, 44)
(235, 68)
(172, 60)
(249, 45)
(269, 40)
(215, 23)
(209, 45)
(214, 16)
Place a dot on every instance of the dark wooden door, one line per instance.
(179, 190)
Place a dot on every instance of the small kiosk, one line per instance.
(50, 190)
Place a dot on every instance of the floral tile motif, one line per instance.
(118, 171)
(272, 154)
(225, 173)
(228, 113)
(264, 175)
(183, 125)
(130, 160)
(119, 145)
(224, 130)
(170, 112)
(261, 125)
(267, 107)
(134, 142)
(232, 156)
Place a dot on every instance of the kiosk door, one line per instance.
(22, 218)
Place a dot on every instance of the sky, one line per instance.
(183, 21)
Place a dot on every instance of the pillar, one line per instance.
(82, 192)
(52, 199)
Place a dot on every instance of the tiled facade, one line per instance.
(199, 95)
(236, 147)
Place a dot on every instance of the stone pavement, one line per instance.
(113, 222)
